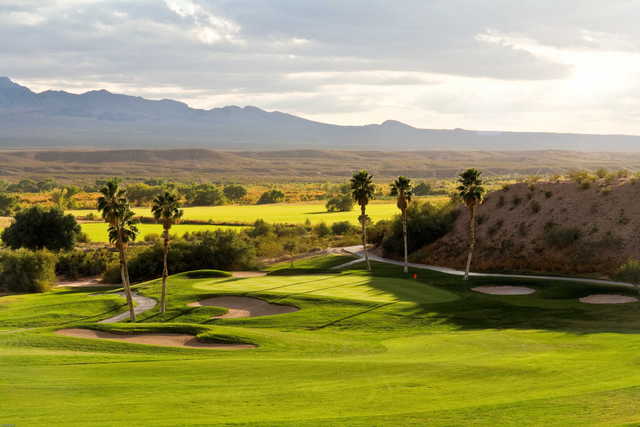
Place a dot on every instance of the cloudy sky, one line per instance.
(548, 65)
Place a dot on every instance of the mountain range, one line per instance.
(101, 119)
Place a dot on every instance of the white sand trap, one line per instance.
(244, 307)
(247, 274)
(608, 299)
(162, 339)
(504, 290)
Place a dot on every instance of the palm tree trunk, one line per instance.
(404, 236)
(472, 239)
(124, 269)
(364, 236)
(165, 272)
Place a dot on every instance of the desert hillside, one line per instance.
(563, 227)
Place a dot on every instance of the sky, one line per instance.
(529, 65)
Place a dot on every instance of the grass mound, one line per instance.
(206, 274)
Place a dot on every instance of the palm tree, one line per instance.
(363, 190)
(471, 192)
(114, 207)
(403, 189)
(167, 210)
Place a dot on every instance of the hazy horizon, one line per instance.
(530, 66)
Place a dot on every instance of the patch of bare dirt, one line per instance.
(514, 223)
(248, 274)
(504, 290)
(86, 281)
(162, 339)
(240, 307)
(608, 299)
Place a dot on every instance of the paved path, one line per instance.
(357, 251)
(143, 304)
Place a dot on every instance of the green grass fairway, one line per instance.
(363, 350)
(97, 231)
(290, 213)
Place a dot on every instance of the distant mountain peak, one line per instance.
(395, 123)
(7, 83)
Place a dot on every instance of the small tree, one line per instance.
(167, 211)
(363, 190)
(471, 192)
(340, 203)
(271, 196)
(114, 207)
(234, 192)
(39, 228)
(8, 204)
(401, 188)
(290, 246)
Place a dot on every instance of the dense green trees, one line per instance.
(27, 271)
(271, 196)
(167, 210)
(39, 228)
(471, 192)
(234, 192)
(363, 190)
(8, 204)
(114, 207)
(340, 203)
(422, 189)
(402, 189)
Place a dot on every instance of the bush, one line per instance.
(27, 271)
(77, 263)
(535, 206)
(426, 223)
(422, 189)
(343, 227)
(220, 250)
(321, 230)
(629, 272)
(340, 203)
(561, 237)
(38, 228)
(234, 192)
(271, 196)
(8, 204)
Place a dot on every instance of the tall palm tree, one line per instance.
(167, 210)
(114, 207)
(403, 190)
(471, 192)
(363, 190)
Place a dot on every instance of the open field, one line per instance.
(290, 213)
(365, 349)
(97, 231)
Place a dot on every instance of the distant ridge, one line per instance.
(102, 119)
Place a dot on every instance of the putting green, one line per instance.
(362, 350)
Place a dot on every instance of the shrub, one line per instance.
(27, 271)
(561, 237)
(500, 201)
(38, 228)
(271, 196)
(516, 201)
(234, 192)
(340, 203)
(629, 272)
(422, 189)
(77, 263)
(321, 229)
(426, 223)
(343, 227)
(8, 204)
(548, 194)
(535, 206)
(221, 250)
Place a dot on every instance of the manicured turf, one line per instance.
(363, 350)
(97, 231)
(291, 213)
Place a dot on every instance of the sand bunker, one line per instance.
(246, 274)
(162, 339)
(504, 290)
(608, 299)
(244, 307)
